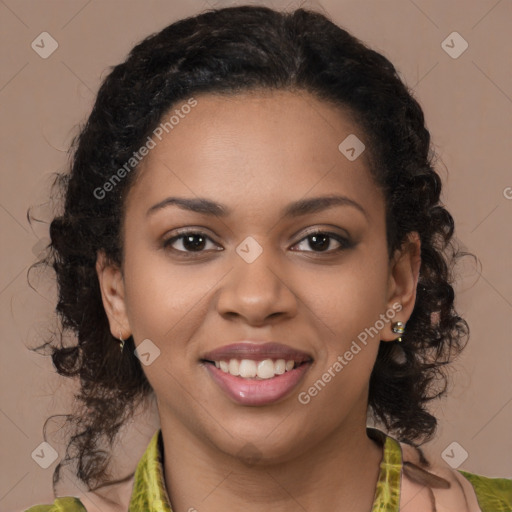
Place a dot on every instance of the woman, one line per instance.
(252, 214)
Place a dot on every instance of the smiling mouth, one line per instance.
(251, 369)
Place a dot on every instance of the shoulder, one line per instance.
(493, 494)
(428, 481)
(109, 498)
(65, 504)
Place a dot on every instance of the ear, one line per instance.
(112, 293)
(403, 280)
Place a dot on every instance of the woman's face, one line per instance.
(256, 274)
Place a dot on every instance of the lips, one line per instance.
(257, 351)
(255, 373)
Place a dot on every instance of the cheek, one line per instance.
(161, 298)
(352, 297)
(350, 342)
(165, 304)
(347, 305)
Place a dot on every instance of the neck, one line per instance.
(343, 468)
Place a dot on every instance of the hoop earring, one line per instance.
(121, 343)
(399, 328)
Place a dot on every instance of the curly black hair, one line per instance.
(227, 51)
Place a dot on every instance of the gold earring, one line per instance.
(399, 328)
(121, 342)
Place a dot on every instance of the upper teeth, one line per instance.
(248, 369)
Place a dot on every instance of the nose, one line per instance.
(257, 291)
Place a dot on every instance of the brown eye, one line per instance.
(188, 242)
(321, 241)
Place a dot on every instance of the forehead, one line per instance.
(255, 149)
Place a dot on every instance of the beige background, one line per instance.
(468, 107)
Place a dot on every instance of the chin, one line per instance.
(261, 449)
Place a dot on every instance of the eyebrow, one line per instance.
(295, 209)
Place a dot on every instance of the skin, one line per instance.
(256, 153)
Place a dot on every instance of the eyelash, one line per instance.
(344, 242)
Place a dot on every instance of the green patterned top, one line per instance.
(149, 492)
